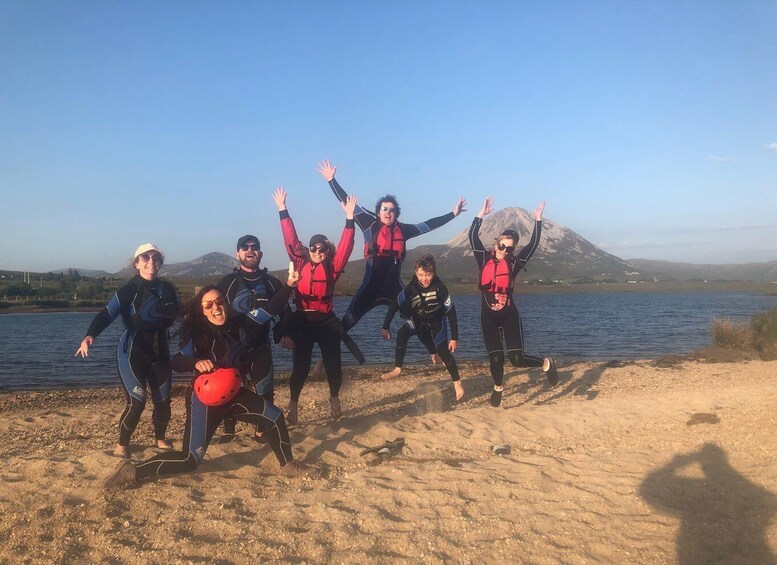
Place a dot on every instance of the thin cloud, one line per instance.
(772, 146)
(719, 159)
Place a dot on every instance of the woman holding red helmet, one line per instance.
(211, 348)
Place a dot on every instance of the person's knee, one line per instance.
(496, 359)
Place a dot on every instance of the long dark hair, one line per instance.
(194, 324)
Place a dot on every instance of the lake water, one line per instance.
(36, 350)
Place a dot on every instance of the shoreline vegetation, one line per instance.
(187, 288)
(656, 461)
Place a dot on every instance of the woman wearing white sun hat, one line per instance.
(148, 306)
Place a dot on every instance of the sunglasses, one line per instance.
(506, 248)
(247, 246)
(387, 209)
(208, 304)
(148, 257)
(318, 249)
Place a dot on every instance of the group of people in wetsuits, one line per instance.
(225, 329)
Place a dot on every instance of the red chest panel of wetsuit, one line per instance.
(389, 241)
(496, 277)
(316, 287)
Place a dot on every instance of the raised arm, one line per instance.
(525, 254)
(345, 246)
(364, 218)
(478, 250)
(294, 248)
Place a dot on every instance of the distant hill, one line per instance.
(666, 270)
(562, 254)
(83, 272)
(210, 264)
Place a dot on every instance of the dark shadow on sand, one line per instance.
(723, 515)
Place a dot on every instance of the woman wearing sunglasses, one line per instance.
(498, 312)
(210, 345)
(319, 266)
(148, 307)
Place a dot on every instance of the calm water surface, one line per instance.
(36, 350)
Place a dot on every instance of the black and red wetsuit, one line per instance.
(384, 250)
(425, 310)
(498, 313)
(314, 320)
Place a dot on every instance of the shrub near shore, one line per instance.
(760, 334)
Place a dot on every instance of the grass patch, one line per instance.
(759, 335)
(730, 334)
(764, 331)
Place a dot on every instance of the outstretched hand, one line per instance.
(538, 211)
(452, 345)
(279, 197)
(83, 349)
(327, 170)
(487, 207)
(385, 334)
(459, 208)
(349, 206)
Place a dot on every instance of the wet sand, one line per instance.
(649, 462)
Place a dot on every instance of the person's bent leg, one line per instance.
(303, 350)
(252, 408)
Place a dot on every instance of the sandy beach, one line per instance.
(668, 461)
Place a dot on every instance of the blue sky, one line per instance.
(650, 128)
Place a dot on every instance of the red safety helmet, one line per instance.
(218, 387)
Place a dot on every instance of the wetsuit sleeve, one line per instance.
(450, 311)
(294, 247)
(526, 253)
(185, 360)
(277, 286)
(474, 240)
(110, 311)
(363, 218)
(274, 306)
(413, 230)
(344, 249)
(391, 312)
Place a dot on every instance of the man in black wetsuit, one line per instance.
(245, 289)
(384, 247)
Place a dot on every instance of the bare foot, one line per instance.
(164, 444)
(459, 389)
(391, 374)
(435, 359)
(291, 415)
(121, 451)
(337, 411)
(318, 370)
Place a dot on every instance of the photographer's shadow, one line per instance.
(723, 515)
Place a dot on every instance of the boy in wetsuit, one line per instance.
(425, 303)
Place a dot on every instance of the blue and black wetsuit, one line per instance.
(148, 309)
(498, 313)
(425, 310)
(384, 251)
(222, 345)
(245, 291)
